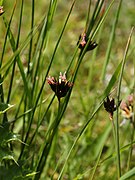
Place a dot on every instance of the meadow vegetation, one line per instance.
(67, 89)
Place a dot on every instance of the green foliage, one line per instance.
(7, 137)
(4, 107)
(48, 136)
(128, 175)
(14, 172)
(6, 154)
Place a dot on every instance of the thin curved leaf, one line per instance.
(113, 80)
(4, 107)
(7, 136)
(6, 154)
(129, 174)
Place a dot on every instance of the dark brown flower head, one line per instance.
(1, 10)
(60, 86)
(83, 41)
(110, 106)
(127, 107)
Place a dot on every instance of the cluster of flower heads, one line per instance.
(60, 86)
(83, 39)
(1, 10)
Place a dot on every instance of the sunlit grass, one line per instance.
(72, 138)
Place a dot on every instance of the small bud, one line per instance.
(110, 107)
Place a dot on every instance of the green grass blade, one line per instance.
(109, 157)
(94, 55)
(17, 58)
(58, 119)
(3, 51)
(82, 53)
(118, 100)
(88, 14)
(131, 147)
(96, 164)
(107, 90)
(93, 18)
(113, 80)
(21, 47)
(40, 121)
(17, 44)
(6, 36)
(31, 41)
(47, 27)
(112, 36)
(5, 119)
(77, 138)
(130, 174)
(102, 20)
(99, 147)
(49, 66)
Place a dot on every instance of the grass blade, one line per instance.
(118, 100)
(12, 41)
(17, 58)
(112, 36)
(128, 175)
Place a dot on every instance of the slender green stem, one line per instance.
(77, 138)
(93, 20)
(6, 36)
(114, 130)
(29, 59)
(31, 41)
(41, 89)
(131, 146)
(88, 15)
(5, 119)
(112, 36)
(48, 143)
(118, 100)
(17, 44)
(97, 162)
(39, 123)
(49, 66)
(91, 68)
